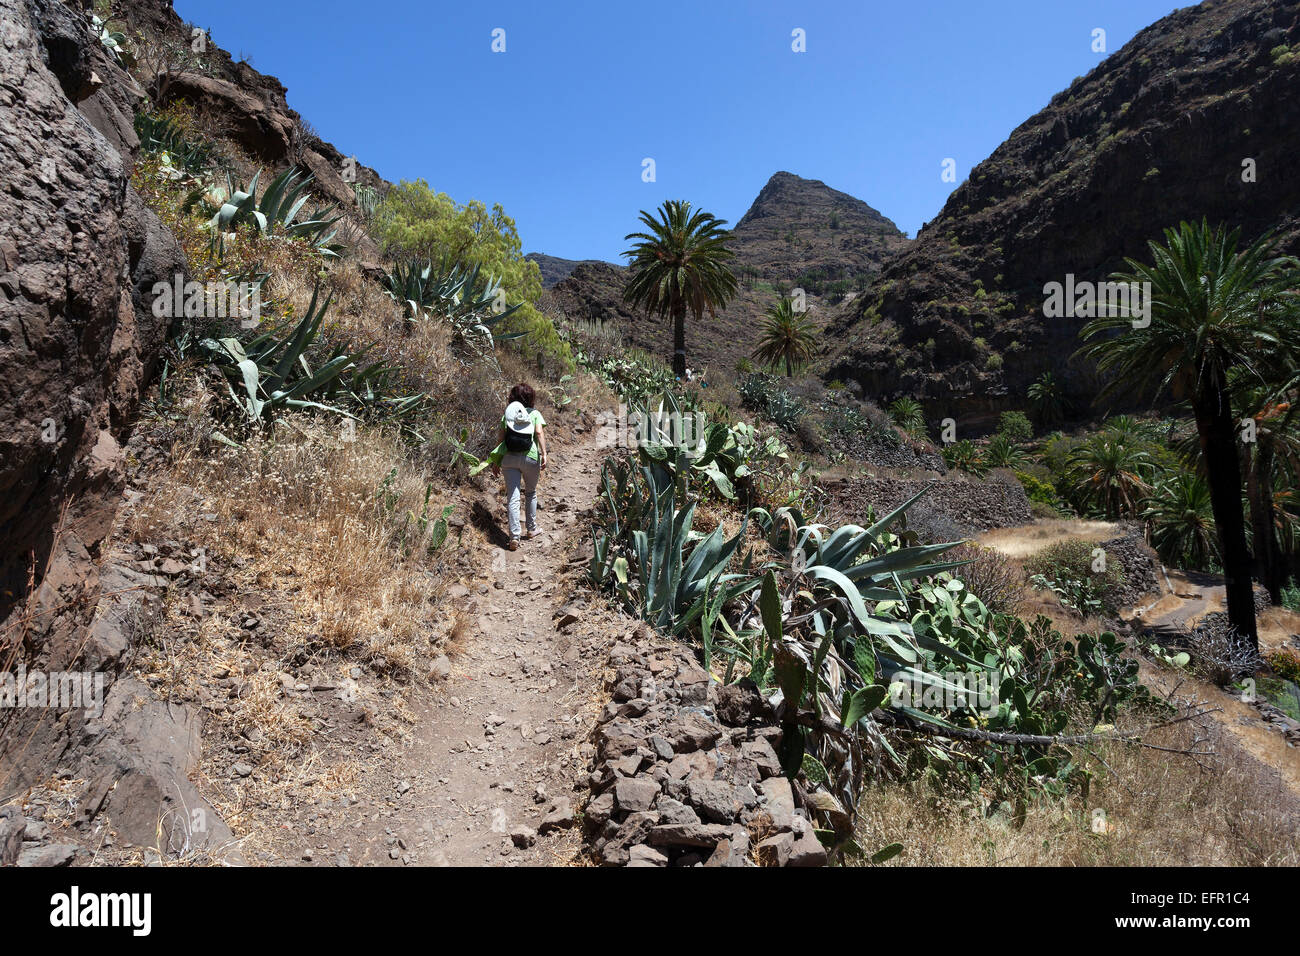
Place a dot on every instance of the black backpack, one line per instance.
(517, 443)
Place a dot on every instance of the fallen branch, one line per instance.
(1060, 740)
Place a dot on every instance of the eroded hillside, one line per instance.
(1157, 133)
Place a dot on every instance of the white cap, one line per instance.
(518, 419)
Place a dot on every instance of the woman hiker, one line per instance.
(523, 456)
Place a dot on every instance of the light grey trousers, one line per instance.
(521, 471)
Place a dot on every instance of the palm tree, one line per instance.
(1002, 452)
(1212, 308)
(787, 337)
(1124, 429)
(908, 414)
(1274, 454)
(1270, 457)
(1046, 400)
(965, 456)
(1182, 521)
(1110, 474)
(680, 266)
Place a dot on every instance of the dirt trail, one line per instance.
(501, 743)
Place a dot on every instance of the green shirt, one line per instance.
(538, 422)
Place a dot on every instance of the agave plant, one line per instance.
(763, 394)
(866, 618)
(834, 627)
(271, 373)
(276, 212)
(465, 298)
(828, 640)
(161, 134)
(410, 285)
(113, 41)
(665, 573)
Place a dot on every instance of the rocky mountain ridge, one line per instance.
(554, 269)
(1194, 117)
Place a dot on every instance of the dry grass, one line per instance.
(1156, 810)
(1276, 625)
(313, 533)
(999, 583)
(1026, 540)
(301, 513)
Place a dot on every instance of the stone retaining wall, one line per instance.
(685, 771)
(954, 507)
(1140, 564)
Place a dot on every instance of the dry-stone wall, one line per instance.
(685, 771)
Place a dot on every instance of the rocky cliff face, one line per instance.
(799, 233)
(79, 254)
(79, 257)
(237, 104)
(1159, 132)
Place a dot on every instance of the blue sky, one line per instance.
(556, 127)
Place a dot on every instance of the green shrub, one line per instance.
(1038, 490)
(1016, 426)
(539, 341)
(1291, 596)
(1085, 580)
(908, 414)
(1002, 452)
(414, 222)
(635, 376)
(1286, 662)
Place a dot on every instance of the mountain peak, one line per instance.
(787, 196)
(799, 233)
(802, 231)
